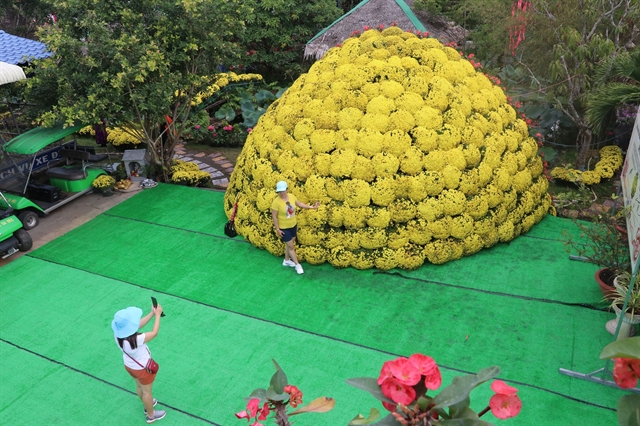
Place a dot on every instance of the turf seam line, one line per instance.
(382, 351)
(101, 380)
(177, 228)
(495, 293)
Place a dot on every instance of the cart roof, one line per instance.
(35, 139)
(10, 73)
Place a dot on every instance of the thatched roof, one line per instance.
(373, 13)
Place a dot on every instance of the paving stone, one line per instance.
(220, 182)
(217, 174)
(219, 159)
(200, 155)
(224, 185)
(202, 166)
(186, 158)
(209, 169)
(229, 171)
(180, 152)
(226, 165)
(215, 154)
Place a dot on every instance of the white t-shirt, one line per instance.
(140, 354)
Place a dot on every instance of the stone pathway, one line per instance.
(215, 164)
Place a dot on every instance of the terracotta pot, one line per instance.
(608, 291)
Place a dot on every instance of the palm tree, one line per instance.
(618, 82)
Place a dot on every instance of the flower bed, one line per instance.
(414, 155)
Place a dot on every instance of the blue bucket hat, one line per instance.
(281, 186)
(126, 322)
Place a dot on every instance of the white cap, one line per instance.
(281, 186)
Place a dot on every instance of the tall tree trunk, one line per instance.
(583, 145)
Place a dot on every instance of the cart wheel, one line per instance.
(29, 219)
(24, 239)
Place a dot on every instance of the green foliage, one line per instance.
(624, 348)
(134, 63)
(279, 30)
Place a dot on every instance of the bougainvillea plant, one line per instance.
(626, 371)
(277, 398)
(414, 154)
(403, 386)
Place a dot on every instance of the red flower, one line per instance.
(429, 369)
(506, 402)
(252, 406)
(434, 380)
(242, 414)
(228, 128)
(264, 412)
(211, 128)
(626, 372)
(389, 406)
(405, 372)
(295, 395)
(397, 392)
(385, 372)
(471, 56)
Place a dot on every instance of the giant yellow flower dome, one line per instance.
(414, 155)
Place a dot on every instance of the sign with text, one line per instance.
(631, 193)
(43, 158)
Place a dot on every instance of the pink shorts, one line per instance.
(144, 376)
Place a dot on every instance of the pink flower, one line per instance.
(252, 406)
(389, 406)
(626, 372)
(397, 392)
(405, 371)
(385, 372)
(211, 128)
(471, 56)
(264, 412)
(242, 414)
(434, 380)
(228, 128)
(197, 127)
(249, 129)
(429, 369)
(506, 402)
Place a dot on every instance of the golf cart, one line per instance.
(12, 237)
(43, 172)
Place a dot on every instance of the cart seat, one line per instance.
(66, 173)
(76, 154)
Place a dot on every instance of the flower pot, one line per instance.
(107, 192)
(603, 276)
(626, 328)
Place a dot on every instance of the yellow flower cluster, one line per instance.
(413, 155)
(221, 80)
(103, 182)
(186, 173)
(610, 161)
(117, 136)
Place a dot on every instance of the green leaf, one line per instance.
(318, 405)
(455, 410)
(370, 385)
(625, 348)
(461, 386)
(278, 381)
(374, 416)
(225, 113)
(261, 95)
(258, 393)
(281, 92)
(549, 153)
(629, 410)
(275, 396)
(247, 105)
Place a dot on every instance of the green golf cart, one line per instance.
(42, 172)
(12, 237)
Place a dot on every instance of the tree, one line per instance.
(278, 32)
(565, 40)
(137, 64)
(619, 83)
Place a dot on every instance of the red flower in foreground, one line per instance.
(389, 406)
(385, 372)
(626, 372)
(264, 412)
(295, 395)
(429, 369)
(252, 409)
(397, 392)
(405, 371)
(506, 402)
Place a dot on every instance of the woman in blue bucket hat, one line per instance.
(135, 353)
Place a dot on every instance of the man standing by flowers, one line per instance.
(283, 213)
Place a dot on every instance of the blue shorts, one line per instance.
(289, 234)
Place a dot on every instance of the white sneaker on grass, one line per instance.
(155, 402)
(288, 262)
(299, 269)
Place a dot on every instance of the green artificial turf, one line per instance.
(516, 305)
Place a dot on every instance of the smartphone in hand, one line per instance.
(154, 302)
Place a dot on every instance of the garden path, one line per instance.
(215, 164)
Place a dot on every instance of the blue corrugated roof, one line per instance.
(17, 50)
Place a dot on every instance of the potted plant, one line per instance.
(104, 184)
(632, 312)
(601, 244)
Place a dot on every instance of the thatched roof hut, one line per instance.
(373, 13)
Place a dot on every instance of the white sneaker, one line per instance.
(288, 262)
(299, 269)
